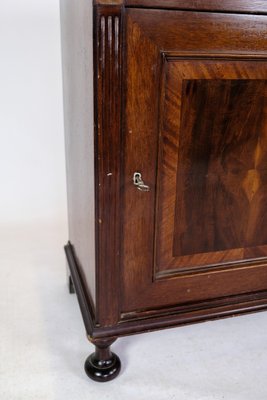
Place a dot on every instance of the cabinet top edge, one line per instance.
(242, 6)
(109, 2)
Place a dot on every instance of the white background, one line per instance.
(42, 339)
(32, 165)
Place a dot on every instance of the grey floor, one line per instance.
(43, 344)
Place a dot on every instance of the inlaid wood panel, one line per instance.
(222, 166)
(195, 127)
(211, 186)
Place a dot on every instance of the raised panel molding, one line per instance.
(159, 50)
(169, 260)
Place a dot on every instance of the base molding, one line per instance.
(84, 298)
(147, 320)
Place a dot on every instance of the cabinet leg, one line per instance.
(102, 365)
(69, 280)
(70, 285)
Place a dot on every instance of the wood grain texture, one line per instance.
(178, 71)
(242, 6)
(221, 184)
(208, 5)
(156, 54)
(151, 319)
(144, 279)
(202, 32)
(143, 68)
(108, 44)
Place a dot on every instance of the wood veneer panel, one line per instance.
(175, 154)
(159, 57)
(222, 169)
(211, 5)
(200, 32)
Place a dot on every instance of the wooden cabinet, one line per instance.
(167, 189)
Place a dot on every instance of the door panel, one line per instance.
(221, 167)
(195, 127)
(211, 169)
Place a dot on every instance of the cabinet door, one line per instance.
(195, 128)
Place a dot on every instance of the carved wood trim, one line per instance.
(108, 48)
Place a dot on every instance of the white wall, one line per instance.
(32, 163)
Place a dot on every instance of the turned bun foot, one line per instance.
(102, 370)
(102, 365)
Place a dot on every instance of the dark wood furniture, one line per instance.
(166, 163)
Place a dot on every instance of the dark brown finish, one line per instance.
(152, 275)
(160, 318)
(222, 164)
(205, 5)
(241, 6)
(210, 33)
(179, 96)
(176, 70)
(102, 365)
(84, 298)
(108, 45)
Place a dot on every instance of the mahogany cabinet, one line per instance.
(166, 145)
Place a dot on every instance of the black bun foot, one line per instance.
(102, 365)
(102, 370)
